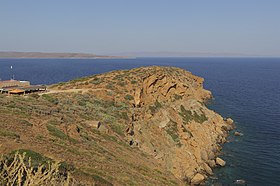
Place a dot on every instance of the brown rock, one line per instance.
(229, 121)
(238, 134)
(211, 155)
(137, 97)
(204, 155)
(197, 179)
(207, 169)
(94, 124)
(220, 162)
(212, 163)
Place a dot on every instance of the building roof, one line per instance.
(16, 91)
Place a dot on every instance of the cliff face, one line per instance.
(171, 122)
(157, 114)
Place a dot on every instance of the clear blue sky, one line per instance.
(113, 26)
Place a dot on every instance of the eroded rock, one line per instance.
(207, 169)
(197, 179)
(229, 121)
(238, 134)
(220, 162)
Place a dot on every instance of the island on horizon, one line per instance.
(54, 55)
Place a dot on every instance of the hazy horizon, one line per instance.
(181, 28)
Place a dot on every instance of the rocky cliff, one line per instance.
(159, 113)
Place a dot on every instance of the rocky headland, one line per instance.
(142, 126)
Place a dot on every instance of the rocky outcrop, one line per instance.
(175, 126)
(167, 117)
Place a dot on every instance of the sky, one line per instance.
(245, 27)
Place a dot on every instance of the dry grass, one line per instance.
(20, 172)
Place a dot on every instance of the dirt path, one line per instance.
(50, 91)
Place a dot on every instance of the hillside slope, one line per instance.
(145, 126)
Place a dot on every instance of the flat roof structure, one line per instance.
(19, 87)
(13, 83)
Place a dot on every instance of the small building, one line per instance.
(20, 87)
(13, 83)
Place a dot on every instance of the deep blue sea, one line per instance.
(245, 89)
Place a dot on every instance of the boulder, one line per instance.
(220, 162)
(197, 179)
(211, 155)
(238, 134)
(240, 182)
(212, 163)
(204, 155)
(229, 121)
(207, 169)
(94, 124)
(98, 125)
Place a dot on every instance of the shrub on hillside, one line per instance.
(18, 171)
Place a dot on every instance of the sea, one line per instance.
(244, 89)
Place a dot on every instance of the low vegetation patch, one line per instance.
(50, 98)
(117, 128)
(154, 108)
(187, 116)
(96, 81)
(27, 123)
(178, 97)
(8, 134)
(172, 130)
(56, 132)
(80, 79)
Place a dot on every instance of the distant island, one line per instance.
(43, 55)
